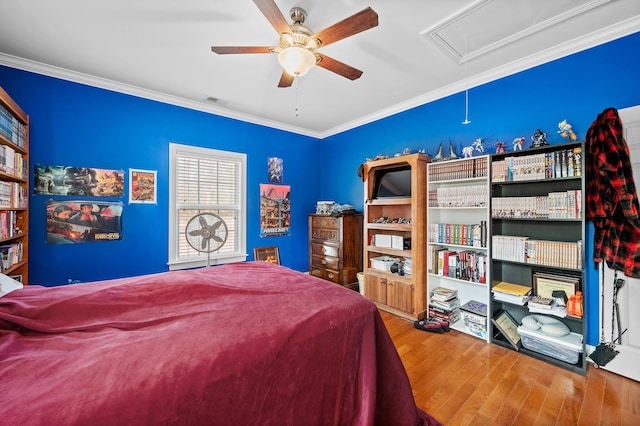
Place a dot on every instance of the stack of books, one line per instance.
(545, 305)
(474, 315)
(407, 266)
(511, 293)
(444, 305)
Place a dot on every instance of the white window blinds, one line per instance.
(206, 181)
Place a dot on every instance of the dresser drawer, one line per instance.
(325, 234)
(326, 274)
(325, 262)
(325, 249)
(325, 222)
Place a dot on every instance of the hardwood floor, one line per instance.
(461, 380)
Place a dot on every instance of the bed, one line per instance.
(242, 344)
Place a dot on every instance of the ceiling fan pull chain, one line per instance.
(297, 79)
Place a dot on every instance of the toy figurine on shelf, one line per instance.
(439, 156)
(378, 157)
(452, 153)
(566, 130)
(500, 147)
(478, 145)
(538, 139)
(517, 143)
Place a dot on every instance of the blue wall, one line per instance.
(576, 88)
(73, 124)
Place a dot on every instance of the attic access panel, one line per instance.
(487, 25)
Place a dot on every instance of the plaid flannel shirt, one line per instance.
(611, 199)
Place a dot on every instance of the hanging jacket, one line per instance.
(611, 201)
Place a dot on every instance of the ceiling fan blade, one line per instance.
(270, 10)
(361, 21)
(338, 67)
(203, 221)
(223, 50)
(286, 79)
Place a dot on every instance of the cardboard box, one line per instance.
(382, 240)
(400, 243)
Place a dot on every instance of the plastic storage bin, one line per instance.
(566, 348)
(383, 263)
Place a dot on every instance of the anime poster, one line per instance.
(66, 180)
(275, 210)
(70, 222)
(142, 186)
(276, 168)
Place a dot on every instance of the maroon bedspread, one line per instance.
(242, 344)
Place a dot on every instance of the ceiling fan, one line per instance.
(297, 52)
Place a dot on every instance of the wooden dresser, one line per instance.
(335, 248)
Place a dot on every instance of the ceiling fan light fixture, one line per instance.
(296, 60)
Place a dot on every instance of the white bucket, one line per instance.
(360, 276)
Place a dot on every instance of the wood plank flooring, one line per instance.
(462, 380)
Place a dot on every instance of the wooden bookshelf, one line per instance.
(14, 188)
(403, 295)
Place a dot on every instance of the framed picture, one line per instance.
(143, 188)
(508, 327)
(267, 254)
(545, 284)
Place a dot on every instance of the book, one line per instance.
(540, 302)
(475, 307)
(510, 298)
(510, 288)
(555, 310)
(443, 292)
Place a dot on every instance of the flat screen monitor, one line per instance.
(393, 182)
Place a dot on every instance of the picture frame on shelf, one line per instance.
(508, 327)
(269, 254)
(545, 284)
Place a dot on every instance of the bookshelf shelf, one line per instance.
(457, 246)
(458, 197)
(545, 184)
(457, 280)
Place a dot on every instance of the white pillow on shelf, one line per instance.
(8, 284)
(549, 326)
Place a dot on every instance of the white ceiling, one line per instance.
(421, 51)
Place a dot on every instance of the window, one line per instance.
(211, 181)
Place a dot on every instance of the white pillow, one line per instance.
(7, 285)
(549, 326)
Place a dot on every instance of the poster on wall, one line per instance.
(142, 186)
(275, 166)
(68, 180)
(70, 222)
(275, 210)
